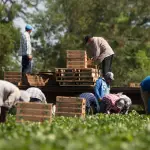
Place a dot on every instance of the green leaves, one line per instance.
(113, 132)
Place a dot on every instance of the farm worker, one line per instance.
(26, 51)
(24, 96)
(145, 92)
(101, 52)
(9, 96)
(116, 103)
(91, 102)
(102, 86)
(36, 95)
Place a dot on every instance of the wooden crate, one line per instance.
(13, 77)
(76, 77)
(76, 59)
(134, 84)
(36, 112)
(35, 80)
(70, 106)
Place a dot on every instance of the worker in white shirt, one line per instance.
(36, 95)
(26, 51)
(9, 96)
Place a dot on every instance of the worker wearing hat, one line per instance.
(26, 50)
(101, 52)
(102, 86)
(116, 103)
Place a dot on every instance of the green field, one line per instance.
(106, 132)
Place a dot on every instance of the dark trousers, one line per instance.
(3, 114)
(35, 100)
(106, 65)
(26, 65)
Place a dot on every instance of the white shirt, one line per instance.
(25, 44)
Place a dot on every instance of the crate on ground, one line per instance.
(132, 84)
(70, 106)
(36, 112)
(76, 77)
(76, 59)
(35, 80)
(13, 76)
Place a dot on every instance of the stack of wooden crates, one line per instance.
(77, 72)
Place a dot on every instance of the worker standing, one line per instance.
(101, 52)
(26, 51)
(145, 93)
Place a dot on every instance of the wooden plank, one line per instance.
(72, 105)
(75, 51)
(77, 81)
(76, 63)
(77, 69)
(66, 114)
(71, 110)
(12, 73)
(69, 99)
(34, 112)
(134, 84)
(75, 84)
(76, 56)
(34, 105)
(21, 118)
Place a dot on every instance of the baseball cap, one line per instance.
(28, 27)
(109, 75)
(120, 103)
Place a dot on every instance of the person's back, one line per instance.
(91, 102)
(103, 48)
(36, 95)
(145, 84)
(101, 88)
(7, 96)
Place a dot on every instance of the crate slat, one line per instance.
(34, 112)
(22, 118)
(34, 105)
(66, 114)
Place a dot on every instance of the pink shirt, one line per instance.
(110, 101)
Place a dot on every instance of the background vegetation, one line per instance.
(62, 25)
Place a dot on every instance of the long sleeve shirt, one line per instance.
(25, 44)
(110, 101)
(100, 48)
(36, 93)
(128, 103)
(101, 88)
(90, 100)
(9, 94)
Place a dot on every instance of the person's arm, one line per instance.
(98, 89)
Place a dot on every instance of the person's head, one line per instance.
(120, 104)
(87, 39)
(109, 77)
(28, 28)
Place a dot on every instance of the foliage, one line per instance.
(124, 24)
(122, 132)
